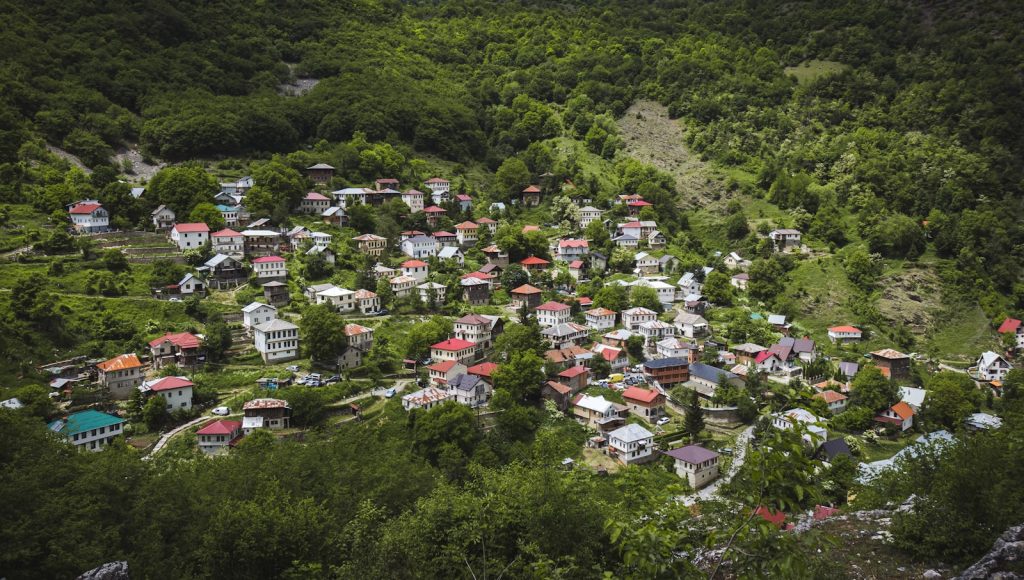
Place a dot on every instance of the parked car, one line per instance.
(390, 392)
(332, 379)
(221, 411)
(292, 368)
(664, 420)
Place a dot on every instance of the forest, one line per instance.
(885, 130)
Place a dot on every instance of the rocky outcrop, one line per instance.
(1004, 562)
(108, 571)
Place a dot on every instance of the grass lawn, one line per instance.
(963, 334)
(883, 448)
(810, 70)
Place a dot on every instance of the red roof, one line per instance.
(435, 209)
(531, 229)
(532, 189)
(642, 395)
(443, 367)
(639, 203)
(84, 208)
(774, 518)
(573, 243)
(844, 329)
(553, 306)
(573, 372)
(467, 225)
(576, 264)
(485, 220)
(610, 354)
(436, 180)
(178, 339)
(120, 363)
(266, 259)
(314, 196)
(191, 228)
(444, 235)
(534, 261)
(830, 396)
(453, 344)
(903, 410)
(221, 427)
(479, 276)
(414, 264)
(763, 356)
(601, 311)
(632, 225)
(225, 233)
(463, 197)
(483, 369)
(559, 388)
(170, 383)
(526, 289)
(1009, 325)
(584, 300)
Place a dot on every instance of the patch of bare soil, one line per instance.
(141, 170)
(911, 297)
(652, 137)
(68, 156)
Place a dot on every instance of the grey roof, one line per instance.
(661, 363)
(218, 260)
(776, 319)
(138, 191)
(630, 433)
(420, 240)
(276, 324)
(835, 447)
(748, 348)
(708, 372)
(464, 382)
(320, 166)
(449, 252)
(252, 306)
(849, 368)
(693, 454)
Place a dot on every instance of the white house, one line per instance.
(637, 229)
(176, 391)
(342, 299)
(90, 429)
(228, 242)
(913, 397)
(572, 249)
(439, 189)
(190, 236)
(366, 301)
(784, 239)
(419, 247)
(413, 199)
(688, 284)
(469, 390)
(646, 264)
(89, 216)
(901, 415)
(430, 290)
(634, 317)
(350, 196)
(815, 434)
(257, 313)
(230, 214)
(666, 293)
(733, 261)
(740, 281)
(424, 399)
(699, 466)
(455, 349)
(768, 362)
(836, 401)
(691, 325)
(992, 366)
(600, 318)
(191, 285)
(631, 444)
(655, 330)
(476, 328)
(217, 436)
(417, 269)
(270, 268)
(452, 253)
(672, 347)
(844, 334)
(402, 285)
(589, 214)
(553, 313)
(163, 217)
(314, 203)
(277, 341)
(467, 233)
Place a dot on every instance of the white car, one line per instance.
(664, 421)
(221, 411)
(292, 368)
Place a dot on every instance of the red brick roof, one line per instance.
(120, 363)
(178, 339)
(483, 369)
(642, 395)
(435, 209)
(844, 329)
(830, 396)
(534, 261)
(314, 196)
(453, 344)
(467, 225)
(443, 367)
(192, 228)
(553, 306)
(84, 208)
(170, 383)
(1009, 325)
(573, 243)
(268, 259)
(531, 189)
(559, 387)
(573, 372)
(526, 289)
(414, 264)
(773, 518)
(221, 427)
(903, 410)
(225, 233)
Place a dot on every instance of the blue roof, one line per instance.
(756, 316)
(708, 372)
(224, 208)
(83, 421)
(661, 363)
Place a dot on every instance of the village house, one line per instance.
(699, 466)
(646, 265)
(706, 378)
(367, 302)
(382, 183)
(816, 433)
(1014, 326)
(893, 363)
(526, 296)
(434, 215)
(439, 188)
(256, 313)
(557, 393)
(334, 216)
(631, 444)
(636, 229)
(414, 199)
(342, 299)
(648, 404)
(598, 261)
(600, 318)
(276, 293)
(190, 236)
(588, 215)
(452, 253)
(572, 249)
(240, 187)
(740, 281)
(265, 413)
(691, 325)
(733, 261)
(417, 269)
(900, 415)
(475, 292)
(616, 338)
(530, 196)
(320, 173)
(747, 352)
(634, 317)
(478, 329)
(277, 341)
(784, 239)
(223, 272)
(672, 347)
(496, 256)
(314, 204)
(636, 206)
(269, 268)
(653, 331)
(575, 377)
(380, 271)
(992, 367)
(553, 313)
(402, 285)
(216, 437)
(467, 233)
(667, 372)
(491, 225)
(446, 240)
(913, 397)
(350, 196)
(441, 373)
(228, 241)
(597, 413)
(836, 401)
(371, 245)
(120, 375)
(431, 293)
(533, 264)
(419, 247)
(258, 243)
(843, 334)
(628, 241)
(230, 213)
(359, 342)
(163, 217)
(468, 390)
(576, 269)
(425, 399)
(175, 391)
(90, 429)
(617, 358)
(768, 362)
(89, 216)
(802, 348)
(181, 349)
(485, 371)
(455, 349)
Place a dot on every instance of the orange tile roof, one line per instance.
(120, 363)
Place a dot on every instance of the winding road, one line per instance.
(740, 447)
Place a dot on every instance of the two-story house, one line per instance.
(216, 437)
(417, 269)
(120, 375)
(572, 249)
(90, 429)
(418, 247)
(270, 268)
(175, 391)
(163, 217)
(697, 465)
(257, 313)
(588, 215)
(190, 236)
(634, 317)
(277, 341)
(454, 349)
(784, 239)
(992, 367)
(600, 318)
(631, 444)
(314, 203)
(553, 313)
(441, 373)
(89, 216)
(467, 233)
(648, 404)
(371, 245)
(182, 349)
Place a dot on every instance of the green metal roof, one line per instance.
(84, 421)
